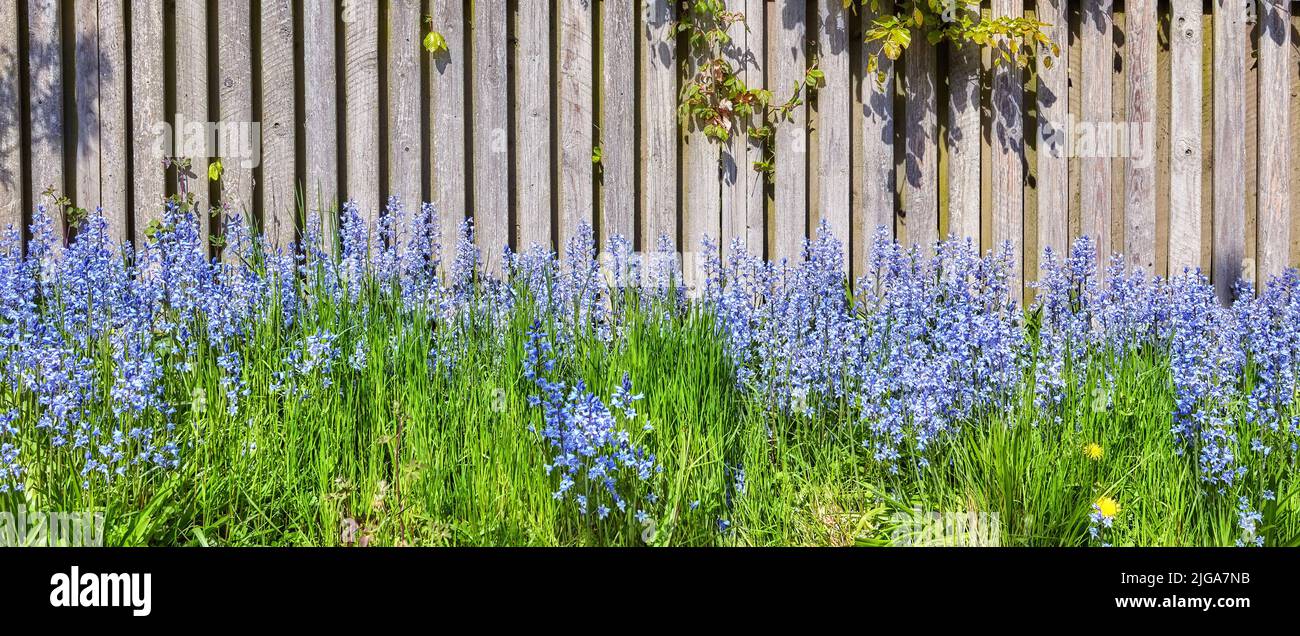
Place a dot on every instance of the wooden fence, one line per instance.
(1165, 128)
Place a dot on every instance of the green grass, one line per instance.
(407, 455)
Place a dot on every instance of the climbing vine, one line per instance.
(717, 100)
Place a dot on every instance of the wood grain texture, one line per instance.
(148, 117)
(236, 134)
(278, 170)
(45, 110)
(532, 81)
(320, 126)
(448, 153)
(1185, 98)
(12, 169)
(492, 135)
(1139, 163)
(114, 126)
(1229, 145)
(834, 135)
(618, 120)
(701, 191)
(921, 149)
(85, 95)
(788, 59)
(189, 33)
(1274, 147)
(361, 141)
(1008, 156)
(658, 125)
(1053, 186)
(744, 201)
(401, 134)
(576, 115)
(1094, 170)
(878, 171)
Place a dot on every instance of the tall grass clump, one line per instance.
(379, 388)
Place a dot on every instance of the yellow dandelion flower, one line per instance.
(1093, 451)
(1107, 507)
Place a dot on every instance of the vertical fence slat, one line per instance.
(45, 64)
(190, 39)
(148, 121)
(279, 202)
(618, 117)
(1008, 154)
(658, 124)
(834, 107)
(1274, 144)
(533, 125)
(1185, 135)
(112, 117)
(85, 90)
(575, 117)
(701, 195)
(1139, 164)
(402, 135)
(789, 63)
(235, 105)
(320, 114)
(1094, 170)
(1053, 187)
(447, 144)
(878, 175)
(11, 165)
(1229, 144)
(963, 138)
(361, 109)
(920, 138)
(744, 201)
(491, 133)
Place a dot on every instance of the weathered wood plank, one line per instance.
(878, 172)
(85, 95)
(235, 107)
(11, 166)
(575, 111)
(402, 133)
(1008, 155)
(534, 167)
(743, 198)
(492, 136)
(701, 189)
(189, 35)
(1274, 149)
(1185, 134)
(921, 144)
(834, 135)
(361, 143)
(447, 144)
(1095, 163)
(148, 119)
(618, 117)
(788, 61)
(1053, 188)
(278, 170)
(113, 126)
(45, 66)
(1139, 164)
(1229, 249)
(963, 138)
(658, 125)
(320, 128)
